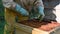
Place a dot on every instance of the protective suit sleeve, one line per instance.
(14, 6)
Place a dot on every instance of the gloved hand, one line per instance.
(41, 10)
(21, 10)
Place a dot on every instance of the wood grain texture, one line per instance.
(10, 19)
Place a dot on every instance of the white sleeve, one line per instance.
(8, 3)
(39, 3)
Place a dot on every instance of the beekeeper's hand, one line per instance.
(41, 10)
(21, 10)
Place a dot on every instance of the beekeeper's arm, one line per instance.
(12, 5)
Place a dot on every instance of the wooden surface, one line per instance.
(10, 19)
(23, 28)
(37, 31)
(54, 31)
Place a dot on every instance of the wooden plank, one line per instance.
(24, 28)
(20, 32)
(10, 19)
(54, 31)
(37, 31)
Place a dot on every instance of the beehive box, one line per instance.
(34, 28)
(24, 28)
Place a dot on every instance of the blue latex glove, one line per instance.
(21, 10)
(41, 10)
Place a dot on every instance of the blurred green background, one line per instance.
(2, 20)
